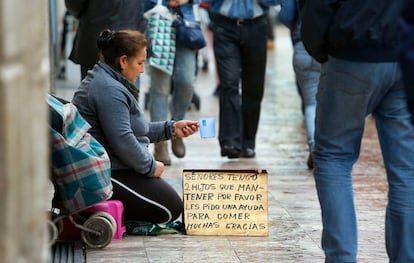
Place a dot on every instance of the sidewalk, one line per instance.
(294, 214)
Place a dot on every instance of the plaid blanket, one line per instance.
(80, 165)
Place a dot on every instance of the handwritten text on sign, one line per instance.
(220, 202)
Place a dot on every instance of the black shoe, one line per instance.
(230, 151)
(248, 153)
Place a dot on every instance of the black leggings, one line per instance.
(146, 199)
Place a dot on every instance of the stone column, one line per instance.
(24, 82)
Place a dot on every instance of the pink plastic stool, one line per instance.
(116, 209)
(68, 231)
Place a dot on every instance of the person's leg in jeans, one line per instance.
(184, 80)
(307, 73)
(396, 135)
(340, 119)
(160, 83)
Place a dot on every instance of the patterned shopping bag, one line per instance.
(161, 36)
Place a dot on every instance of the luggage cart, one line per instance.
(80, 173)
(96, 226)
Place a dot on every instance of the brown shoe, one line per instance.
(161, 153)
(178, 147)
(270, 44)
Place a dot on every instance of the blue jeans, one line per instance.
(183, 79)
(347, 93)
(240, 52)
(307, 72)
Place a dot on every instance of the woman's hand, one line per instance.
(185, 128)
(159, 170)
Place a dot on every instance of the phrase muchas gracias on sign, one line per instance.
(225, 202)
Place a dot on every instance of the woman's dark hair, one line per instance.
(114, 44)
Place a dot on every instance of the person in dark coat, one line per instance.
(95, 16)
(406, 52)
(240, 37)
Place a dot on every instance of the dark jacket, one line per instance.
(356, 30)
(406, 51)
(97, 15)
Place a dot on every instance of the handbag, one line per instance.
(188, 33)
(81, 169)
(161, 35)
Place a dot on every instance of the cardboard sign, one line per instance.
(225, 202)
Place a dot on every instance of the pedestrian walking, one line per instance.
(240, 38)
(307, 70)
(93, 17)
(357, 42)
(183, 79)
(406, 52)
